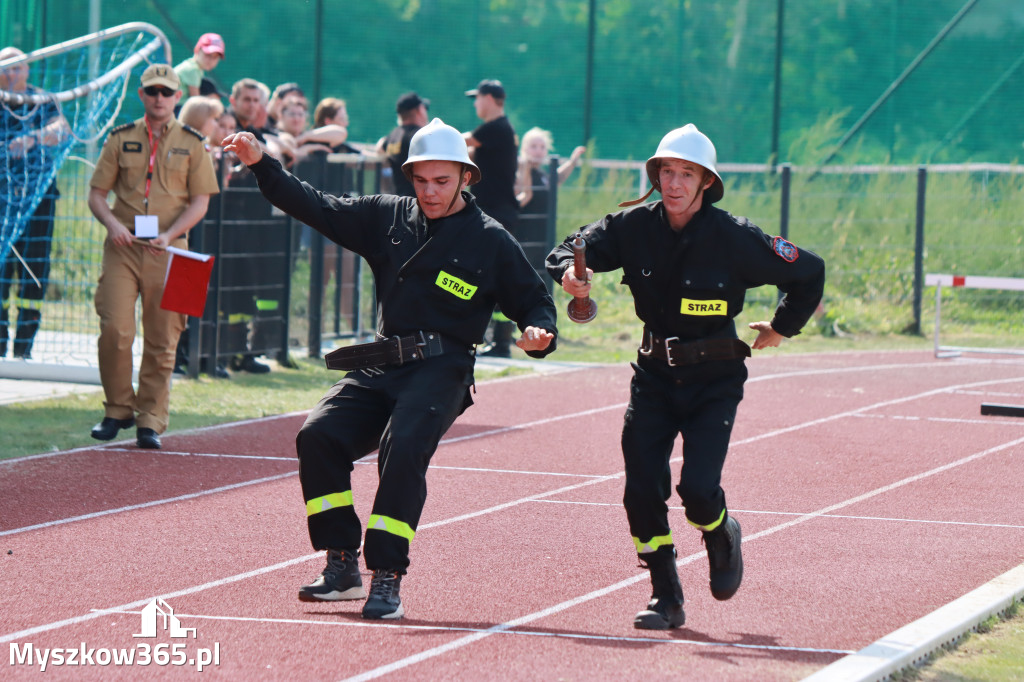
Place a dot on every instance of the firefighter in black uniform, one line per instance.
(688, 265)
(440, 266)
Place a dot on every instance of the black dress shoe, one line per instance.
(147, 438)
(108, 428)
(248, 363)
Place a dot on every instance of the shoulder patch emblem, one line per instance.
(192, 130)
(126, 126)
(785, 250)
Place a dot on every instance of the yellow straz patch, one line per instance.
(691, 307)
(456, 286)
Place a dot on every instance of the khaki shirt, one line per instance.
(182, 169)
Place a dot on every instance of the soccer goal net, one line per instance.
(56, 105)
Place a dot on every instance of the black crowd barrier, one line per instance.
(257, 249)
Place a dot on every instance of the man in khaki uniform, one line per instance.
(160, 172)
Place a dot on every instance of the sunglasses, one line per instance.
(154, 90)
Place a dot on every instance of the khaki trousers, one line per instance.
(130, 272)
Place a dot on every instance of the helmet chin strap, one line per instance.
(700, 192)
(458, 191)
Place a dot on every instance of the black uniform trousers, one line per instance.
(404, 411)
(699, 402)
(34, 246)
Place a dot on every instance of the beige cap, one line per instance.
(160, 74)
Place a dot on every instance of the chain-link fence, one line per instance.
(901, 81)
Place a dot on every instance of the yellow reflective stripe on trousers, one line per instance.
(653, 544)
(319, 504)
(710, 526)
(390, 525)
(28, 304)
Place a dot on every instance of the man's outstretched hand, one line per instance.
(244, 146)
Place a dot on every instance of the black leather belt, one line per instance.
(396, 350)
(675, 352)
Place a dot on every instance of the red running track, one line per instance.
(870, 490)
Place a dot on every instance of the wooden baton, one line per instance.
(581, 308)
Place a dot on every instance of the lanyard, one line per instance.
(152, 161)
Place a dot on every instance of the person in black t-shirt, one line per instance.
(493, 145)
(412, 115)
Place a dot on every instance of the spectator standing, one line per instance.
(493, 145)
(201, 114)
(532, 181)
(158, 171)
(206, 55)
(282, 93)
(244, 255)
(412, 115)
(27, 131)
(330, 127)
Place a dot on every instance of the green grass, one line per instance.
(994, 654)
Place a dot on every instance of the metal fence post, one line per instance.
(922, 183)
(784, 190)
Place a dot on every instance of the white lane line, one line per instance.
(538, 615)
(751, 380)
(100, 447)
(595, 479)
(181, 453)
(622, 584)
(538, 422)
(452, 628)
(829, 516)
(95, 613)
(1011, 421)
(515, 471)
(143, 505)
(549, 420)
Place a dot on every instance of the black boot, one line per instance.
(725, 558)
(28, 325)
(665, 610)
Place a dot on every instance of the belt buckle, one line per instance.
(646, 348)
(668, 350)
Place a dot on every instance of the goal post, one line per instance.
(56, 104)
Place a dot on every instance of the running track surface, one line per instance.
(870, 490)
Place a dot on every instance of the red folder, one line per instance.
(186, 282)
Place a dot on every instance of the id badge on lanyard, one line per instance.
(148, 226)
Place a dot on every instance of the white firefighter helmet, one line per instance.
(437, 141)
(689, 144)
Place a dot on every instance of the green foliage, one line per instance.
(656, 65)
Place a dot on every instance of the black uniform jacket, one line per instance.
(449, 282)
(691, 284)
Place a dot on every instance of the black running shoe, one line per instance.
(340, 580)
(383, 602)
(725, 558)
